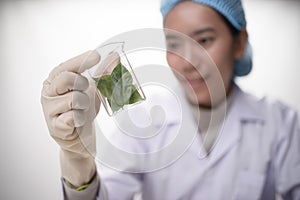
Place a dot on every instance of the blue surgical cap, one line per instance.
(233, 11)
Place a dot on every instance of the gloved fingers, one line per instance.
(65, 82)
(66, 123)
(80, 101)
(60, 104)
(107, 65)
(94, 101)
(77, 64)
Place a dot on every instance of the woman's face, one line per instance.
(207, 28)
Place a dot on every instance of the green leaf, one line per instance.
(122, 90)
(121, 81)
(135, 96)
(114, 107)
(118, 74)
(118, 88)
(105, 85)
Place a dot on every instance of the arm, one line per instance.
(70, 105)
(113, 185)
(287, 157)
(90, 192)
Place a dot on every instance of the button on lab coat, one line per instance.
(256, 155)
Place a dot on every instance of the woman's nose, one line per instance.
(192, 56)
(188, 67)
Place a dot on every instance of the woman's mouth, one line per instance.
(195, 83)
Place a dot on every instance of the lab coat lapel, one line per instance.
(242, 109)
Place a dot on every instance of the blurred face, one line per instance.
(204, 77)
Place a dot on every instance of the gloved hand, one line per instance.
(70, 105)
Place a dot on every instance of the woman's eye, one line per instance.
(205, 41)
(172, 46)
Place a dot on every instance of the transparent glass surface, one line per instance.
(118, 87)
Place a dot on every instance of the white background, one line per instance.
(36, 35)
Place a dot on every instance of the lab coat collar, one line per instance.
(246, 105)
(244, 108)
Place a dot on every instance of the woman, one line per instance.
(257, 155)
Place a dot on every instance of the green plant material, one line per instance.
(118, 88)
(114, 106)
(135, 96)
(120, 73)
(105, 86)
(122, 82)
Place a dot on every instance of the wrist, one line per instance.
(76, 169)
(82, 187)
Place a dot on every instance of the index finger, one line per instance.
(77, 64)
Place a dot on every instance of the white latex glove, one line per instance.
(70, 105)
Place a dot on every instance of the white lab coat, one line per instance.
(256, 156)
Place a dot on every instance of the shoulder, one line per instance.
(267, 109)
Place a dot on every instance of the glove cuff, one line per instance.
(77, 169)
